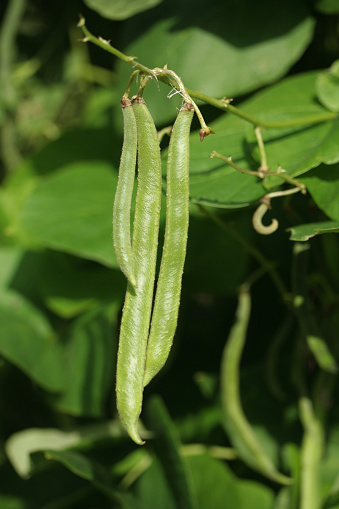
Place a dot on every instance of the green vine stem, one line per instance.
(132, 77)
(215, 451)
(177, 85)
(143, 82)
(285, 192)
(263, 159)
(261, 173)
(105, 45)
(223, 104)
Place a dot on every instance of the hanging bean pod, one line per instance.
(167, 299)
(123, 194)
(138, 301)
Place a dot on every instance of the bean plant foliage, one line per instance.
(244, 414)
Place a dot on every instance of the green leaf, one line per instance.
(27, 341)
(152, 488)
(76, 146)
(89, 359)
(10, 258)
(81, 466)
(69, 286)
(213, 182)
(323, 185)
(215, 484)
(219, 47)
(120, 9)
(166, 445)
(327, 86)
(328, 6)
(304, 232)
(95, 473)
(297, 148)
(71, 210)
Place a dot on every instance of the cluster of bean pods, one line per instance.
(147, 329)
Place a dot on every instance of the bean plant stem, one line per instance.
(222, 104)
(261, 173)
(229, 161)
(263, 159)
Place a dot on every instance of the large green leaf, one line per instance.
(88, 368)
(79, 145)
(70, 286)
(323, 185)
(218, 47)
(216, 486)
(297, 149)
(153, 490)
(212, 181)
(328, 87)
(10, 258)
(26, 337)
(120, 9)
(304, 232)
(27, 341)
(71, 210)
(83, 467)
(67, 285)
(328, 6)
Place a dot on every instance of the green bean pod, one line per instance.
(167, 299)
(123, 194)
(138, 301)
(239, 430)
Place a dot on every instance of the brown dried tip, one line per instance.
(205, 132)
(187, 107)
(202, 134)
(125, 101)
(138, 99)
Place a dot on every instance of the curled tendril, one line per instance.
(257, 220)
